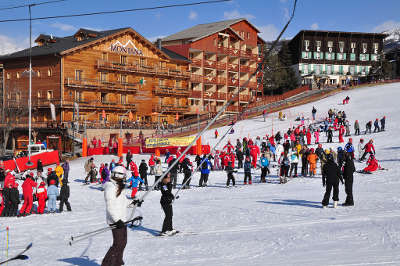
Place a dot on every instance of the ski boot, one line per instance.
(250, 182)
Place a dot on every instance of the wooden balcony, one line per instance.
(210, 80)
(221, 81)
(142, 69)
(244, 97)
(220, 96)
(99, 84)
(244, 69)
(221, 66)
(223, 50)
(245, 54)
(233, 82)
(210, 64)
(195, 94)
(170, 108)
(194, 78)
(197, 62)
(233, 67)
(234, 52)
(233, 109)
(97, 104)
(170, 91)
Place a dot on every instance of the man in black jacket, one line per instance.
(128, 159)
(240, 157)
(6, 201)
(143, 174)
(166, 203)
(64, 195)
(14, 198)
(348, 171)
(187, 171)
(330, 177)
(330, 135)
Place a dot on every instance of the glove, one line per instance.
(119, 224)
(137, 202)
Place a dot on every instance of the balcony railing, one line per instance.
(210, 80)
(170, 108)
(196, 78)
(210, 64)
(99, 104)
(170, 91)
(96, 83)
(195, 94)
(197, 62)
(221, 81)
(236, 52)
(233, 82)
(233, 67)
(142, 68)
(221, 66)
(244, 69)
(244, 97)
(215, 96)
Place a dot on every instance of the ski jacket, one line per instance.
(292, 137)
(166, 194)
(294, 158)
(206, 165)
(372, 165)
(52, 191)
(264, 162)
(187, 165)
(356, 125)
(331, 173)
(349, 147)
(228, 147)
(239, 155)
(319, 152)
(64, 192)
(105, 175)
(151, 161)
(174, 170)
(134, 180)
(59, 171)
(279, 149)
(348, 168)
(229, 170)
(284, 161)
(9, 179)
(134, 168)
(28, 185)
(65, 167)
(41, 193)
(116, 206)
(312, 158)
(158, 170)
(369, 147)
(247, 166)
(128, 157)
(52, 176)
(143, 169)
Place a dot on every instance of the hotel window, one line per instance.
(123, 60)
(18, 76)
(328, 69)
(352, 57)
(103, 97)
(318, 69)
(8, 76)
(9, 96)
(352, 70)
(364, 48)
(78, 74)
(305, 69)
(341, 47)
(78, 96)
(49, 95)
(104, 56)
(178, 84)
(49, 72)
(161, 82)
(248, 35)
(124, 79)
(330, 44)
(318, 43)
(376, 46)
(306, 45)
(306, 55)
(353, 45)
(103, 76)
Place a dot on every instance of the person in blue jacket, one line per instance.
(52, 194)
(247, 170)
(205, 171)
(272, 149)
(264, 167)
(349, 148)
(134, 181)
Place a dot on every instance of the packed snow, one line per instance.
(258, 224)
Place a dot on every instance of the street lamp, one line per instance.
(29, 163)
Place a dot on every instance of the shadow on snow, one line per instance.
(304, 203)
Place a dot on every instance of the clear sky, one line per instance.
(268, 15)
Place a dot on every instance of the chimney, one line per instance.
(159, 43)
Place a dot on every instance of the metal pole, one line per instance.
(30, 87)
(198, 122)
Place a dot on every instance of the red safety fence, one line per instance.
(136, 150)
(47, 158)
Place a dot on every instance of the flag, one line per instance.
(53, 112)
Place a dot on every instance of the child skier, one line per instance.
(134, 183)
(41, 196)
(294, 160)
(360, 147)
(264, 167)
(143, 174)
(247, 170)
(64, 196)
(284, 168)
(312, 160)
(52, 194)
(229, 171)
(27, 188)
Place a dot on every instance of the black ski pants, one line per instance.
(167, 224)
(328, 190)
(240, 164)
(348, 184)
(174, 179)
(293, 166)
(114, 256)
(364, 155)
(304, 168)
(377, 129)
(203, 179)
(357, 132)
(264, 171)
(66, 202)
(329, 140)
(144, 178)
(230, 177)
(186, 180)
(247, 175)
(284, 170)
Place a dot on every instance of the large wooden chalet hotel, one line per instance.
(334, 57)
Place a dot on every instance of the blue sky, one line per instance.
(268, 15)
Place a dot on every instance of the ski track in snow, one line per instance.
(261, 224)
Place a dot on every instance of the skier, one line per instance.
(330, 135)
(152, 164)
(254, 151)
(143, 174)
(264, 114)
(348, 171)
(6, 193)
(247, 170)
(39, 167)
(313, 112)
(52, 194)
(239, 156)
(229, 171)
(372, 165)
(1, 201)
(134, 183)
(284, 168)
(59, 172)
(349, 148)
(360, 148)
(128, 158)
(294, 160)
(368, 148)
(383, 121)
(205, 171)
(264, 167)
(341, 133)
(376, 126)
(216, 133)
(187, 171)
(304, 160)
(173, 172)
(105, 174)
(64, 196)
(65, 167)
(117, 214)
(316, 136)
(41, 195)
(340, 157)
(368, 127)
(308, 137)
(14, 198)
(228, 147)
(312, 160)
(157, 172)
(356, 128)
(27, 188)
(166, 203)
(330, 178)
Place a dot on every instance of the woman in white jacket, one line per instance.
(117, 214)
(294, 160)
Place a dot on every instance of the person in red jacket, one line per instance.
(1, 201)
(341, 133)
(272, 140)
(372, 165)
(41, 195)
(368, 148)
(27, 189)
(9, 179)
(228, 147)
(152, 163)
(216, 134)
(253, 154)
(134, 168)
(225, 160)
(308, 135)
(94, 142)
(232, 159)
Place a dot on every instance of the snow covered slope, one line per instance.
(261, 224)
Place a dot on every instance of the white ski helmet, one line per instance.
(118, 173)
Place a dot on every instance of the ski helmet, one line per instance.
(118, 173)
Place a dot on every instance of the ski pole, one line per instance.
(212, 151)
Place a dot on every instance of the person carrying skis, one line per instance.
(229, 171)
(368, 148)
(52, 194)
(64, 196)
(330, 178)
(205, 171)
(166, 203)
(264, 162)
(134, 183)
(143, 174)
(383, 122)
(41, 195)
(349, 148)
(348, 171)
(356, 128)
(312, 160)
(117, 214)
(27, 188)
(247, 170)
